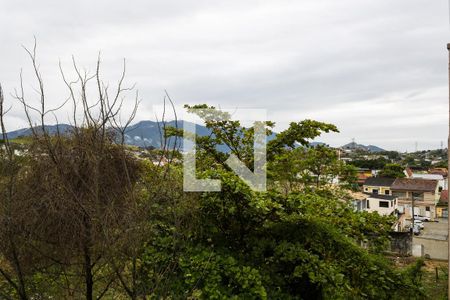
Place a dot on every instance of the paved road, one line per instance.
(435, 230)
(433, 238)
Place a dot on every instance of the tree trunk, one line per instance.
(89, 281)
(88, 274)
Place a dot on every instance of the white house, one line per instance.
(382, 204)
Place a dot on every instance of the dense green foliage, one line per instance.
(392, 171)
(301, 239)
(372, 164)
(392, 155)
(319, 166)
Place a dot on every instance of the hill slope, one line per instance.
(369, 148)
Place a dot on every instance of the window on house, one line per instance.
(384, 203)
(366, 189)
(427, 208)
(440, 189)
(386, 192)
(417, 196)
(399, 194)
(375, 191)
(368, 204)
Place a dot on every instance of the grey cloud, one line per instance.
(332, 60)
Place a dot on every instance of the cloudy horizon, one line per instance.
(376, 69)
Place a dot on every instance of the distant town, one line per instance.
(412, 187)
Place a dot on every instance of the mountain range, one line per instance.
(142, 134)
(369, 148)
(148, 134)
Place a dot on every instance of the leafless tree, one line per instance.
(12, 264)
(78, 186)
(72, 207)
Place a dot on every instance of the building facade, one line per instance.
(422, 194)
(378, 185)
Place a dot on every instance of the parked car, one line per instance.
(422, 218)
(416, 230)
(419, 224)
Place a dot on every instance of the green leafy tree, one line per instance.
(392, 171)
(393, 155)
(301, 243)
(372, 164)
(311, 167)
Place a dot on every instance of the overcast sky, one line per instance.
(375, 68)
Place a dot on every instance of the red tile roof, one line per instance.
(409, 172)
(439, 171)
(361, 178)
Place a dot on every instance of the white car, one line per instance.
(419, 224)
(422, 218)
(416, 230)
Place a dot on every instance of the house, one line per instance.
(346, 159)
(439, 171)
(362, 174)
(442, 206)
(378, 185)
(408, 172)
(442, 182)
(444, 197)
(359, 201)
(422, 193)
(383, 204)
(17, 149)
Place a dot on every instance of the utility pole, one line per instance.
(413, 224)
(448, 168)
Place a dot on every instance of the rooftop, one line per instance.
(383, 197)
(441, 171)
(428, 176)
(409, 172)
(414, 184)
(379, 181)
